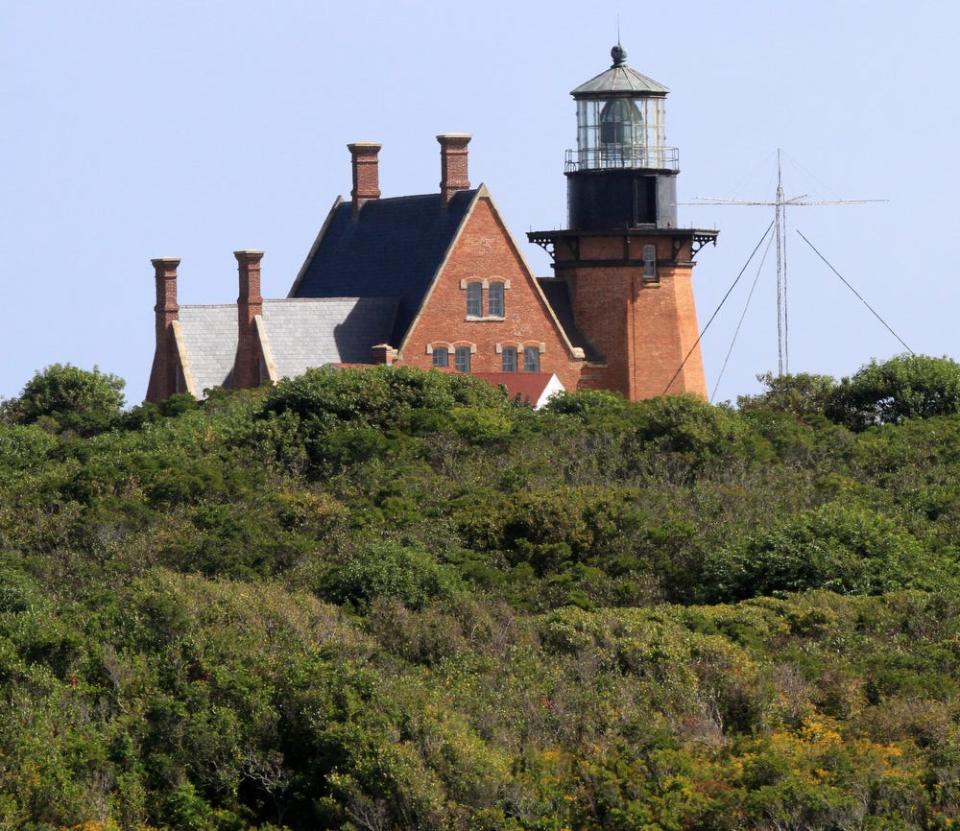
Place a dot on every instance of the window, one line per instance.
(509, 359)
(441, 358)
(495, 300)
(531, 359)
(462, 358)
(474, 300)
(649, 262)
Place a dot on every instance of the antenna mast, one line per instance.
(782, 355)
(779, 205)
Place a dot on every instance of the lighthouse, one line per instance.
(625, 262)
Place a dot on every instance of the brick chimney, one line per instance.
(246, 368)
(383, 353)
(453, 164)
(366, 172)
(163, 375)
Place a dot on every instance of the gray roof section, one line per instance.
(311, 332)
(301, 333)
(210, 341)
(620, 80)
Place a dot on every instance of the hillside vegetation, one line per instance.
(388, 599)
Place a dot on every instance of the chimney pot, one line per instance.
(453, 164)
(366, 172)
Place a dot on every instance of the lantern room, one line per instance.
(621, 133)
(621, 120)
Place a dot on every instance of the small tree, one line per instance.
(65, 397)
(907, 386)
(802, 395)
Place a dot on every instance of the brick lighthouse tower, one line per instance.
(625, 263)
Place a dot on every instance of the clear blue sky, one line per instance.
(137, 129)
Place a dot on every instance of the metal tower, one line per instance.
(780, 205)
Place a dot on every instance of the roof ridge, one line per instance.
(383, 299)
(436, 194)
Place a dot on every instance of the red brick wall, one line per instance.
(665, 329)
(484, 252)
(643, 329)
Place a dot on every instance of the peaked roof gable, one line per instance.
(482, 193)
(391, 248)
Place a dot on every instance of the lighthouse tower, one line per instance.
(626, 264)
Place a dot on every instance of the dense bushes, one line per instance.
(388, 599)
(68, 398)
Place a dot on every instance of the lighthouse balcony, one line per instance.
(622, 156)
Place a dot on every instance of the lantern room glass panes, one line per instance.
(621, 131)
(621, 124)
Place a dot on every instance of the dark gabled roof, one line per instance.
(392, 248)
(558, 296)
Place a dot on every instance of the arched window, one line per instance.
(462, 359)
(441, 357)
(495, 300)
(474, 300)
(509, 354)
(531, 359)
(649, 262)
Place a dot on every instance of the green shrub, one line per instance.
(390, 571)
(66, 397)
(907, 386)
(845, 548)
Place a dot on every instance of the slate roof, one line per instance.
(209, 336)
(558, 296)
(392, 248)
(300, 334)
(307, 332)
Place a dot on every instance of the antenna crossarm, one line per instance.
(704, 201)
(835, 202)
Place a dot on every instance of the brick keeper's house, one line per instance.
(437, 280)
